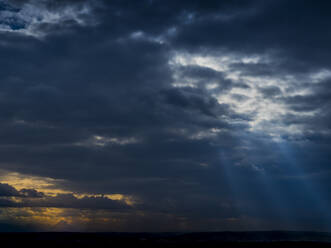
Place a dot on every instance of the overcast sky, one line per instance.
(164, 115)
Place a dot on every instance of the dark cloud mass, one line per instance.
(164, 115)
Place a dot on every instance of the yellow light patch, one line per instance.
(19, 181)
(49, 187)
(55, 219)
(115, 197)
(40, 216)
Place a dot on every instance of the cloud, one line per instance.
(7, 190)
(39, 18)
(62, 201)
(203, 113)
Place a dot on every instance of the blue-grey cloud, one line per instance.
(211, 114)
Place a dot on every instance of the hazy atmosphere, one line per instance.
(164, 115)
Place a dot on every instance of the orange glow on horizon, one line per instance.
(50, 186)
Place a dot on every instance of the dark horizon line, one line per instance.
(175, 232)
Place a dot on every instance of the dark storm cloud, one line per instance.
(63, 201)
(7, 190)
(270, 91)
(317, 99)
(192, 99)
(202, 76)
(268, 26)
(90, 98)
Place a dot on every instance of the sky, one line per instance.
(164, 115)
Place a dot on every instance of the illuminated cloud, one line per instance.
(37, 18)
(21, 190)
(100, 141)
(259, 96)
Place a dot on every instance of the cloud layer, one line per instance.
(164, 115)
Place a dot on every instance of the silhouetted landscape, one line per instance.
(217, 239)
